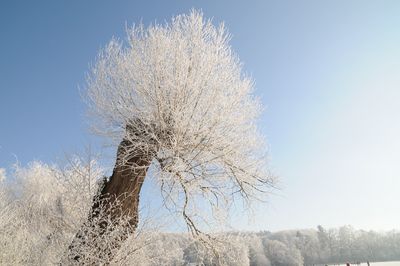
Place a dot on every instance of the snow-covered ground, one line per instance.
(387, 263)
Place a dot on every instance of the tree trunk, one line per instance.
(124, 187)
(118, 200)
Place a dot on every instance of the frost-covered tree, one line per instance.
(307, 242)
(257, 254)
(174, 97)
(231, 251)
(281, 254)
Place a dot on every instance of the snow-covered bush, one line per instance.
(42, 207)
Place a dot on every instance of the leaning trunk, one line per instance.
(116, 205)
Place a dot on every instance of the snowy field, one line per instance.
(388, 263)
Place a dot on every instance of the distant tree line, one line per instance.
(323, 246)
(295, 247)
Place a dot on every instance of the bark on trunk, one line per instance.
(124, 186)
(119, 197)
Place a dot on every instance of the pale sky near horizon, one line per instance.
(327, 72)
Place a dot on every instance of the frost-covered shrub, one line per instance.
(41, 209)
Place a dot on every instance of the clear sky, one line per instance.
(327, 72)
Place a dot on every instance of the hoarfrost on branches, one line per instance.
(41, 208)
(177, 91)
(2, 174)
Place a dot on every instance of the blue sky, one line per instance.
(327, 72)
